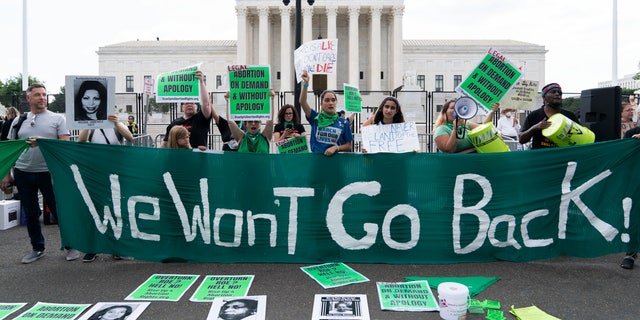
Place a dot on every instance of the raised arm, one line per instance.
(124, 131)
(268, 129)
(303, 94)
(204, 96)
(236, 132)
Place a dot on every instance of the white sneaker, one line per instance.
(33, 256)
(73, 254)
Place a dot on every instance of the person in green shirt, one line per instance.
(451, 133)
(254, 139)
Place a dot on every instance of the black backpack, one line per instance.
(16, 128)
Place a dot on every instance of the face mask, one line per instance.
(508, 114)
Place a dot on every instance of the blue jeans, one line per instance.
(28, 184)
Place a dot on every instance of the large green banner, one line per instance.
(173, 205)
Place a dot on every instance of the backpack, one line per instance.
(16, 128)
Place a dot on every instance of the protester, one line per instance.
(10, 114)
(388, 112)
(197, 122)
(630, 257)
(626, 119)
(132, 125)
(111, 136)
(288, 125)
(536, 121)
(30, 171)
(451, 133)
(252, 139)
(91, 101)
(179, 138)
(330, 134)
(508, 125)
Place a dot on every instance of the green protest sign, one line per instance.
(352, 101)
(179, 85)
(333, 274)
(249, 88)
(166, 287)
(406, 296)
(8, 308)
(43, 310)
(150, 203)
(222, 286)
(490, 80)
(293, 145)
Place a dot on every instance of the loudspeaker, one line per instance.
(465, 108)
(600, 112)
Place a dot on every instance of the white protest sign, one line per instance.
(393, 138)
(522, 96)
(317, 56)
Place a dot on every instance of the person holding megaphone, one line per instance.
(450, 133)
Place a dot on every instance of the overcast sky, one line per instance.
(63, 36)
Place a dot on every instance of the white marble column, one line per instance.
(263, 35)
(354, 43)
(307, 25)
(241, 45)
(374, 49)
(397, 45)
(286, 54)
(332, 33)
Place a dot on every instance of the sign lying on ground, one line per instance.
(178, 205)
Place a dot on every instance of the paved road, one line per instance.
(568, 288)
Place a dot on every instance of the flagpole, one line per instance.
(614, 59)
(25, 62)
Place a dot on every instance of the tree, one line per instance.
(10, 91)
(58, 104)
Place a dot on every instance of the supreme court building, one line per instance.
(372, 53)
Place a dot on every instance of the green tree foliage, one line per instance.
(572, 104)
(58, 104)
(11, 90)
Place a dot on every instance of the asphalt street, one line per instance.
(568, 288)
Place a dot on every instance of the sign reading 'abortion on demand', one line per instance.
(490, 80)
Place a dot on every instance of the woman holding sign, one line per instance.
(330, 134)
(288, 125)
(451, 133)
(253, 139)
(388, 112)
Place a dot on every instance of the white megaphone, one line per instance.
(465, 108)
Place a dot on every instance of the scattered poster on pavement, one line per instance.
(352, 100)
(115, 310)
(8, 308)
(249, 307)
(293, 145)
(334, 274)
(89, 100)
(222, 286)
(394, 138)
(44, 310)
(249, 93)
(165, 287)
(179, 85)
(406, 296)
(340, 306)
